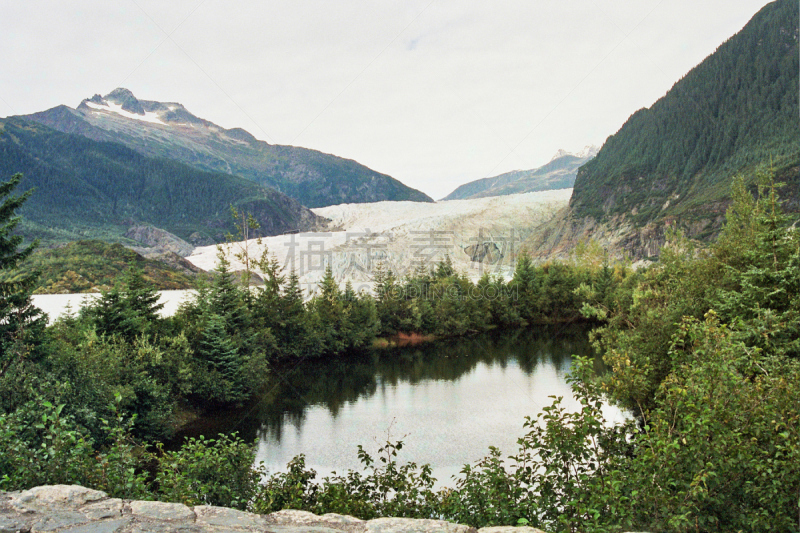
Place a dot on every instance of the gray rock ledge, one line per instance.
(75, 509)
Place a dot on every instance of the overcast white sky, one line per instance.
(435, 93)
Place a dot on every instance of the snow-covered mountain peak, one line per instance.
(121, 103)
(561, 153)
(589, 150)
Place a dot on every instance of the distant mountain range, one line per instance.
(169, 130)
(671, 166)
(559, 173)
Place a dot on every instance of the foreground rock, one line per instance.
(75, 509)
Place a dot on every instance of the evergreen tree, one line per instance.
(295, 335)
(524, 286)
(496, 299)
(444, 268)
(330, 315)
(761, 287)
(267, 302)
(218, 351)
(21, 324)
(393, 310)
(129, 309)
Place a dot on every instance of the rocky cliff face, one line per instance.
(159, 240)
(620, 235)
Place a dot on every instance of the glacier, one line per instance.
(482, 235)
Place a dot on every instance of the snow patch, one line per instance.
(150, 117)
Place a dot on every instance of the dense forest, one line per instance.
(704, 350)
(735, 111)
(90, 189)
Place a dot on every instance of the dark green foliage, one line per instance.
(128, 310)
(231, 348)
(45, 447)
(444, 303)
(293, 329)
(498, 302)
(748, 277)
(149, 376)
(21, 324)
(735, 111)
(705, 353)
(548, 293)
(42, 446)
(329, 318)
(216, 349)
(720, 450)
(209, 472)
(761, 290)
(90, 189)
(385, 489)
(393, 310)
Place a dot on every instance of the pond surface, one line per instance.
(447, 401)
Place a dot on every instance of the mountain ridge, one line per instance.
(558, 173)
(169, 130)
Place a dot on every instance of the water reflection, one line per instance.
(449, 401)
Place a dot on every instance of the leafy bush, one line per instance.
(43, 447)
(385, 489)
(208, 472)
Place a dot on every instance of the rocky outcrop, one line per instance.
(76, 509)
(159, 240)
(484, 252)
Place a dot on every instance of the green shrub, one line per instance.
(208, 472)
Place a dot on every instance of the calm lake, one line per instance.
(447, 401)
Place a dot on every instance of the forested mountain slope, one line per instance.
(168, 129)
(671, 166)
(734, 112)
(90, 189)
